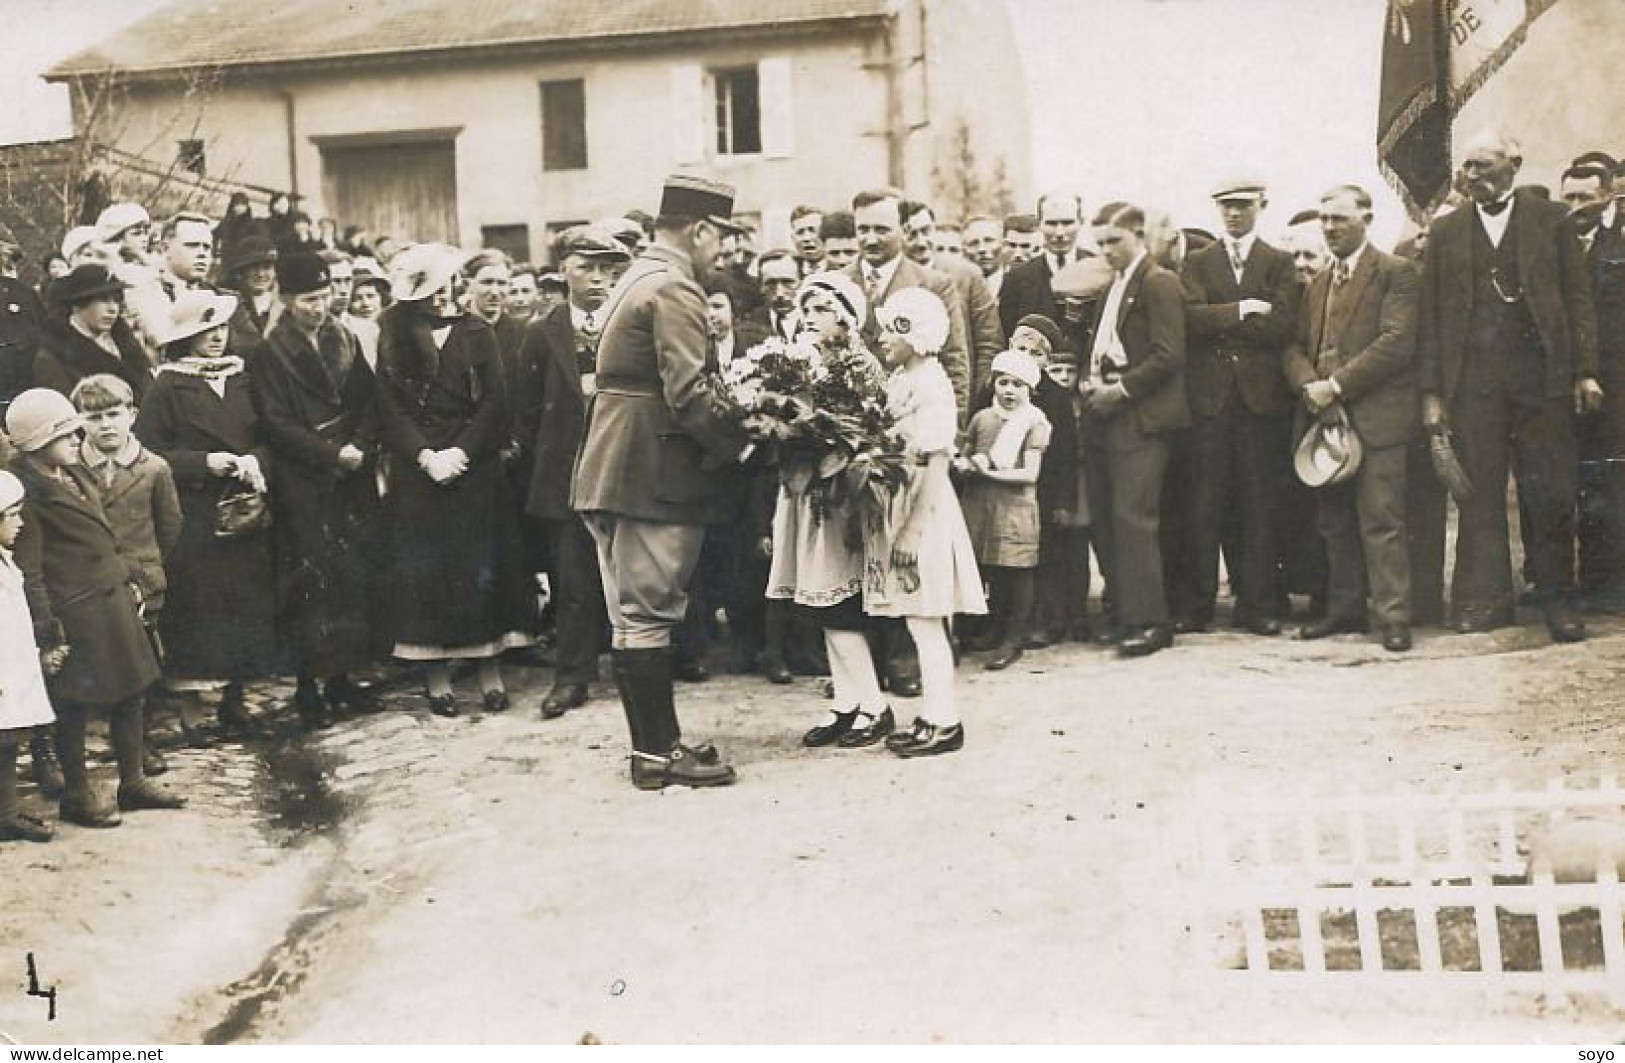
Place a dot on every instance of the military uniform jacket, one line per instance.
(659, 431)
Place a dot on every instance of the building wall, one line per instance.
(839, 108)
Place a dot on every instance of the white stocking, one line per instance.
(852, 669)
(930, 636)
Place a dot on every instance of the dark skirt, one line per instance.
(330, 574)
(110, 656)
(459, 575)
(219, 618)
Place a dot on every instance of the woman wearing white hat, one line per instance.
(218, 623)
(460, 582)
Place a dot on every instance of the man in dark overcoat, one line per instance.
(653, 467)
(560, 348)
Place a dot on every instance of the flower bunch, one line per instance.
(822, 419)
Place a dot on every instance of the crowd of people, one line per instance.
(259, 446)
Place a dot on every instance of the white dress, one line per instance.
(922, 400)
(813, 564)
(23, 701)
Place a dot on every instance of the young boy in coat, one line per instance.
(137, 492)
(81, 602)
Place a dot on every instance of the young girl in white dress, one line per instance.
(920, 566)
(813, 562)
(24, 704)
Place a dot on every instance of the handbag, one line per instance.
(241, 513)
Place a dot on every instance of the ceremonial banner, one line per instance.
(1436, 54)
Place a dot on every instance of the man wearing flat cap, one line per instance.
(652, 469)
(561, 351)
(318, 406)
(1241, 308)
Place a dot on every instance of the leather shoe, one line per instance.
(873, 730)
(827, 733)
(904, 686)
(562, 698)
(347, 695)
(1145, 643)
(1190, 626)
(145, 794)
(23, 828)
(898, 739)
(443, 705)
(495, 700)
(691, 672)
(1563, 622)
(1003, 659)
(1039, 640)
(681, 767)
(777, 673)
(313, 709)
(153, 763)
(86, 811)
(1329, 626)
(929, 740)
(1396, 638)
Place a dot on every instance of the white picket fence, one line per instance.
(1423, 853)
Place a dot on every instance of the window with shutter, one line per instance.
(778, 108)
(737, 93)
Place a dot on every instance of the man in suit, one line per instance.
(976, 306)
(559, 351)
(882, 268)
(1242, 304)
(779, 276)
(805, 223)
(1021, 240)
(655, 466)
(1602, 436)
(1134, 395)
(1026, 289)
(1355, 352)
(1509, 356)
(984, 248)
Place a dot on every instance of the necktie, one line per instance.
(871, 283)
(1494, 209)
(588, 322)
(1060, 263)
(1237, 263)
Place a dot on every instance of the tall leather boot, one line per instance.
(79, 804)
(659, 758)
(127, 727)
(43, 766)
(13, 825)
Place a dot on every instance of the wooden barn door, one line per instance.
(407, 190)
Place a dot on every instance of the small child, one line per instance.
(920, 566)
(1063, 556)
(82, 604)
(1003, 449)
(1060, 486)
(137, 492)
(24, 704)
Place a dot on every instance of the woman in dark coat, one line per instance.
(318, 407)
(218, 622)
(461, 585)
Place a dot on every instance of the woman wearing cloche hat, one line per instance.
(460, 583)
(200, 417)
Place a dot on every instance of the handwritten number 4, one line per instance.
(34, 990)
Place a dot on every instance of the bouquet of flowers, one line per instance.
(823, 421)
